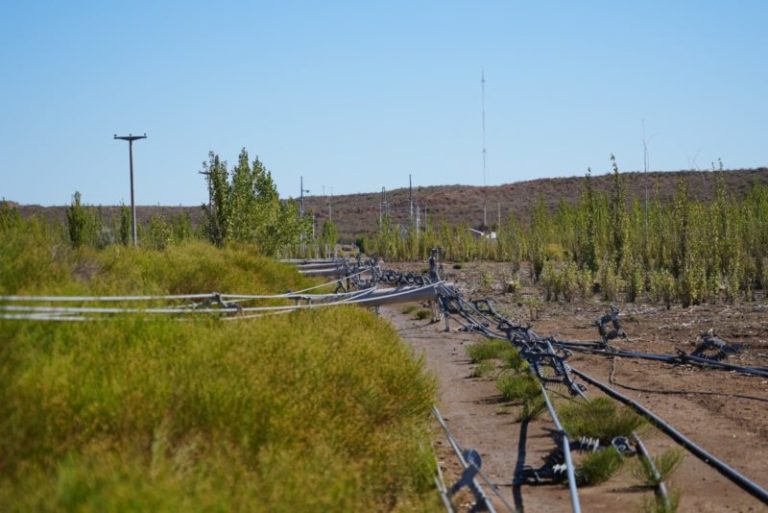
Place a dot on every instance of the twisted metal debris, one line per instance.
(550, 353)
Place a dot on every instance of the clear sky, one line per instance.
(356, 95)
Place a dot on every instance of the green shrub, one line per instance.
(82, 224)
(569, 281)
(532, 408)
(662, 287)
(518, 387)
(488, 349)
(554, 251)
(665, 465)
(486, 280)
(599, 466)
(512, 359)
(585, 282)
(423, 313)
(482, 369)
(551, 281)
(599, 418)
(159, 233)
(611, 283)
(533, 303)
(636, 284)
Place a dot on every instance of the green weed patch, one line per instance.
(599, 418)
(321, 410)
(518, 387)
(489, 350)
(599, 466)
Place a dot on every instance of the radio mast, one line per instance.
(485, 193)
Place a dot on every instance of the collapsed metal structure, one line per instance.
(365, 283)
(360, 283)
(547, 358)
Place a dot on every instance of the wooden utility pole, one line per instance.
(130, 138)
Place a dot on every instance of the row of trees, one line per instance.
(625, 247)
(89, 226)
(684, 250)
(244, 207)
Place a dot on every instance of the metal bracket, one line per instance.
(474, 463)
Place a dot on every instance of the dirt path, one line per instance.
(732, 429)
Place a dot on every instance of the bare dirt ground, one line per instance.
(702, 404)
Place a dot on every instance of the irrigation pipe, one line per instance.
(742, 481)
(569, 468)
(661, 488)
(440, 484)
(672, 359)
(612, 381)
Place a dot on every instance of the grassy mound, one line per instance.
(321, 410)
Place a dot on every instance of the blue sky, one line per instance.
(354, 96)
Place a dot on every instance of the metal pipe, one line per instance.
(661, 488)
(462, 460)
(569, 468)
(733, 475)
(674, 359)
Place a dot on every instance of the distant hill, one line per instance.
(356, 214)
(359, 213)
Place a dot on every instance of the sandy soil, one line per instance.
(735, 429)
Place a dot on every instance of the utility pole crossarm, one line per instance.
(130, 137)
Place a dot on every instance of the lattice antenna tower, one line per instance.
(485, 193)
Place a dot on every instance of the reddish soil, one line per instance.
(734, 429)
